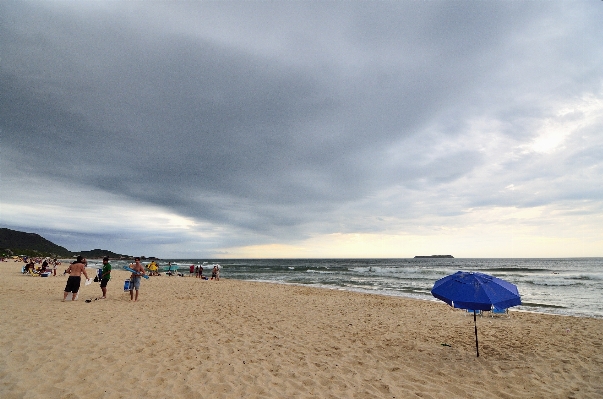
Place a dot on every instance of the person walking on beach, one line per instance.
(75, 270)
(135, 279)
(105, 276)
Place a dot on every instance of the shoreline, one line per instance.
(396, 295)
(526, 307)
(541, 308)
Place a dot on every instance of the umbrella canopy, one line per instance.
(476, 291)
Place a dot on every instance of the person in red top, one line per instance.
(191, 270)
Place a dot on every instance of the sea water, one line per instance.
(570, 286)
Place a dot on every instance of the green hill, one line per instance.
(14, 242)
(101, 253)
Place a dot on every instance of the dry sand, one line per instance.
(188, 338)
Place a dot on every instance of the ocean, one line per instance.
(570, 286)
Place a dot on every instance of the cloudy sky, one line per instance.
(304, 129)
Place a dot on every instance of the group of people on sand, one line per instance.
(47, 266)
(36, 260)
(198, 272)
(78, 267)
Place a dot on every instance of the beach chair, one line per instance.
(496, 311)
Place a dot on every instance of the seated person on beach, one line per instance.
(30, 267)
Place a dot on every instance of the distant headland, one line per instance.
(15, 243)
(434, 256)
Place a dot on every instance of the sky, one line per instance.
(277, 129)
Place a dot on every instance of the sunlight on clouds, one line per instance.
(263, 251)
(355, 245)
(511, 213)
(568, 120)
(157, 218)
(336, 245)
(505, 232)
(466, 242)
(94, 218)
(54, 206)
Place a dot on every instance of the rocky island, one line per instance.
(434, 256)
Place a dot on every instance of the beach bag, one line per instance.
(126, 285)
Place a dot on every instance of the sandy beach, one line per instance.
(188, 338)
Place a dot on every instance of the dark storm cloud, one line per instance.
(268, 116)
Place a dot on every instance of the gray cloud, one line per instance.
(275, 119)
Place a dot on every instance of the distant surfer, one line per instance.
(75, 271)
(135, 278)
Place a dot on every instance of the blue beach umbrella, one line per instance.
(476, 291)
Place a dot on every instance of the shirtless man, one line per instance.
(135, 278)
(75, 270)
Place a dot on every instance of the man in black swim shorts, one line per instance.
(75, 270)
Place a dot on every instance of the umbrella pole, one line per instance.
(475, 324)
